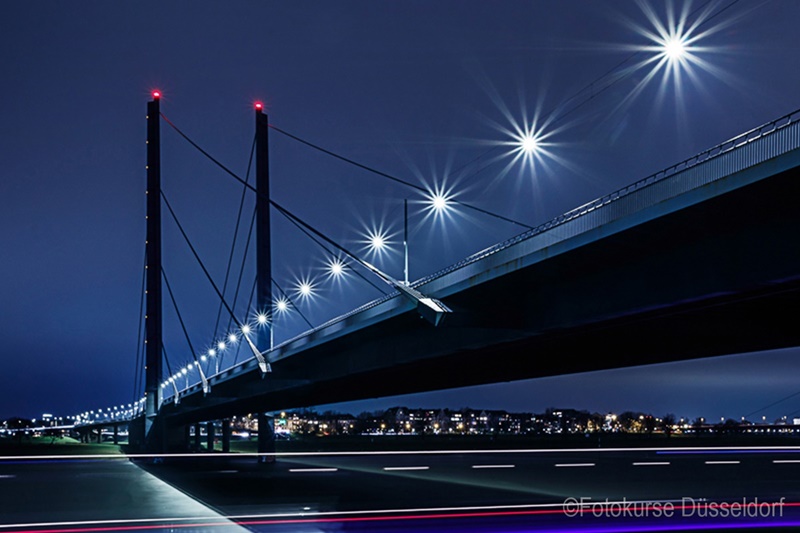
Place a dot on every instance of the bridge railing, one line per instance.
(743, 151)
(748, 149)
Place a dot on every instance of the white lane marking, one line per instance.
(400, 452)
(652, 463)
(573, 464)
(313, 470)
(401, 468)
(7, 476)
(786, 461)
(492, 466)
(227, 471)
(723, 462)
(406, 452)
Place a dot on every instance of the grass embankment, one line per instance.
(54, 446)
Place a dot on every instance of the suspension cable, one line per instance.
(166, 360)
(409, 184)
(241, 268)
(235, 235)
(329, 251)
(288, 299)
(178, 312)
(274, 204)
(197, 257)
(137, 375)
(396, 179)
(249, 305)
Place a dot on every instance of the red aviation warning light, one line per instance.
(259, 106)
(156, 95)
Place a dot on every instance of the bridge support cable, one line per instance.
(398, 180)
(430, 308)
(239, 281)
(249, 306)
(206, 386)
(235, 236)
(291, 302)
(262, 363)
(171, 379)
(137, 374)
(331, 253)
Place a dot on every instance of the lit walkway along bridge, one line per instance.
(698, 260)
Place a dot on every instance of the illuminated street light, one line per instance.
(335, 268)
(232, 338)
(282, 305)
(439, 202)
(377, 241)
(220, 345)
(674, 48)
(262, 318)
(305, 289)
(529, 144)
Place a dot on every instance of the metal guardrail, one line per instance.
(769, 140)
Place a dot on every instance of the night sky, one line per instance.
(432, 92)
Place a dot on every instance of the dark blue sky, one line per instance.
(416, 89)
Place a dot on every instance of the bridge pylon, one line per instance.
(263, 241)
(153, 320)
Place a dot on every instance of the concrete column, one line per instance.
(197, 439)
(226, 435)
(266, 437)
(116, 433)
(210, 436)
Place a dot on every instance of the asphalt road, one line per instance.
(620, 490)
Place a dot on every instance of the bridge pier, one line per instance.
(226, 435)
(266, 438)
(197, 437)
(116, 433)
(210, 436)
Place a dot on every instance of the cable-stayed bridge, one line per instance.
(697, 260)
